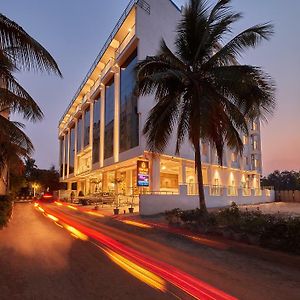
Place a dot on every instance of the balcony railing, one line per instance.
(126, 41)
(216, 190)
(246, 191)
(232, 191)
(107, 67)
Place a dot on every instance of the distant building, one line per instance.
(100, 133)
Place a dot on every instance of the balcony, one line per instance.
(95, 86)
(107, 68)
(129, 37)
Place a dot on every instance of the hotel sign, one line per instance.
(142, 173)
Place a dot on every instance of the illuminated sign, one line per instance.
(142, 173)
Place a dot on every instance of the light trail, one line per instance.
(137, 224)
(76, 232)
(58, 203)
(94, 214)
(191, 285)
(52, 218)
(140, 273)
(72, 207)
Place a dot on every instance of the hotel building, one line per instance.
(100, 133)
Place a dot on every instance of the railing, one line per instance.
(232, 191)
(144, 5)
(126, 41)
(257, 192)
(216, 190)
(246, 191)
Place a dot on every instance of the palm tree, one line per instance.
(18, 51)
(201, 89)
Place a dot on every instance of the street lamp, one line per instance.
(35, 186)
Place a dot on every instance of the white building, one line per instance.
(100, 133)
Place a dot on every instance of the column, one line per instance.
(117, 114)
(129, 185)
(155, 174)
(63, 159)
(182, 172)
(102, 124)
(75, 152)
(68, 158)
(91, 123)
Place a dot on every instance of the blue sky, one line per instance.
(74, 32)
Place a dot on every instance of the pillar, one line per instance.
(91, 123)
(182, 172)
(68, 154)
(75, 152)
(63, 159)
(102, 124)
(117, 114)
(155, 174)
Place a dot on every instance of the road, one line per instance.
(39, 260)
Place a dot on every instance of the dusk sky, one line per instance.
(74, 32)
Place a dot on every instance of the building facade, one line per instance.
(100, 133)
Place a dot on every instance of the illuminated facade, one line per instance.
(100, 133)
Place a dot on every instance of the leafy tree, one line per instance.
(282, 181)
(200, 88)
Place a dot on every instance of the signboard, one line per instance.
(143, 173)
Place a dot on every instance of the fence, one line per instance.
(287, 196)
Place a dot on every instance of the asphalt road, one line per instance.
(39, 260)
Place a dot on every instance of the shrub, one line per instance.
(5, 210)
(271, 231)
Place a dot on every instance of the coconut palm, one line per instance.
(18, 51)
(200, 88)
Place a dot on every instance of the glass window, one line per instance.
(129, 120)
(86, 131)
(61, 156)
(72, 150)
(96, 130)
(66, 152)
(79, 134)
(109, 119)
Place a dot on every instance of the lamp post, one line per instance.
(35, 186)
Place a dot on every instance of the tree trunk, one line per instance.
(198, 167)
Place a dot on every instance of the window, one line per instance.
(79, 134)
(129, 120)
(96, 130)
(245, 140)
(72, 150)
(109, 119)
(86, 132)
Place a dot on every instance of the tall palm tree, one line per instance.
(18, 51)
(200, 88)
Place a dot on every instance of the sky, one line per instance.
(73, 31)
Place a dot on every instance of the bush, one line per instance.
(271, 231)
(5, 210)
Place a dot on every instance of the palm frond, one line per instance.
(25, 51)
